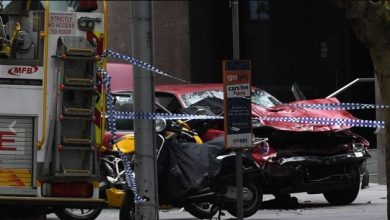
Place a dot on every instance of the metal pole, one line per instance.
(236, 56)
(235, 30)
(240, 202)
(144, 130)
(342, 89)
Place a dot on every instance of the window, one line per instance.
(20, 41)
(123, 103)
(259, 97)
(263, 98)
(191, 98)
(169, 101)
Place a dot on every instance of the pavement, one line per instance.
(371, 204)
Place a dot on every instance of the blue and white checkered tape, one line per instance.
(341, 106)
(140, 63)
(301, 120)
(129, 173)
(113, 115)
(323, 106)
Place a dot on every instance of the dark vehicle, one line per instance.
(192, 174)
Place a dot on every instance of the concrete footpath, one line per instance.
(369, 205)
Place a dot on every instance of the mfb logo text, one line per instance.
(19, 70)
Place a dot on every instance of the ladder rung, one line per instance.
(81, 88)
(78, 111)
(75, 151)
(76, 117)
(75, 148)
(80, 51)
(70, 172)
(70, 81)
(74, 57)
(76, 141)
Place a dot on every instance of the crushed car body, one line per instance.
(314, 158)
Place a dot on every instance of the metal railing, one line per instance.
(353, 82)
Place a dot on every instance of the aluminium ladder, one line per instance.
(75, 153)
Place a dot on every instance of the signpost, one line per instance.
(144, 130)
(238, 112)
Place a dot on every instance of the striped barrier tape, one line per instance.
(140, 63)
(112, 115)
(329, 121)
(130, 178)
(341, 106)
(129, 173)
(301, 120)
(323, 106)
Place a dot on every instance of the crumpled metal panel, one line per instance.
(288, 110)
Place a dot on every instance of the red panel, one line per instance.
(86, 5)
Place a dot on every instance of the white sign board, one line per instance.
(237, 102)
(62, 24)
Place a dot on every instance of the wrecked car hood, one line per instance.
(288, 110)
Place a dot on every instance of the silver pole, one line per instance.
(144, 130)
(236, 56)
(342, 89)
(235, 30)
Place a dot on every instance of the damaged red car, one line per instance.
(313, 158)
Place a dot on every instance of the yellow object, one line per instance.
(41, 141)
(15, 177)
(28, 5)
(114, 197)
(198, 140)
(125, 144)
(5, 50)
(17, 28)
(99, 105)
(183, 124)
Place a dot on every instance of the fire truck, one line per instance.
(51, 104)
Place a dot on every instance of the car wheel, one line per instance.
(345, 196)
(251, 206)
(77, 214)
(127, 210)
(202, 210)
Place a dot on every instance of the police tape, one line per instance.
(113, 115)
(301, 120)
(322, 106)
(129, 173)
(341, 106)
(140, 63)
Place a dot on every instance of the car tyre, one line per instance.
(202, 210)
(250, 207)
(345, 196)
(77, 214)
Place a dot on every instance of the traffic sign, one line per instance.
(237, 103)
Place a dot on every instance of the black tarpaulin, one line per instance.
(184, 168)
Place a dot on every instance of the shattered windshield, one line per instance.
(263, 98)
(259, 97)
(193, 97)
